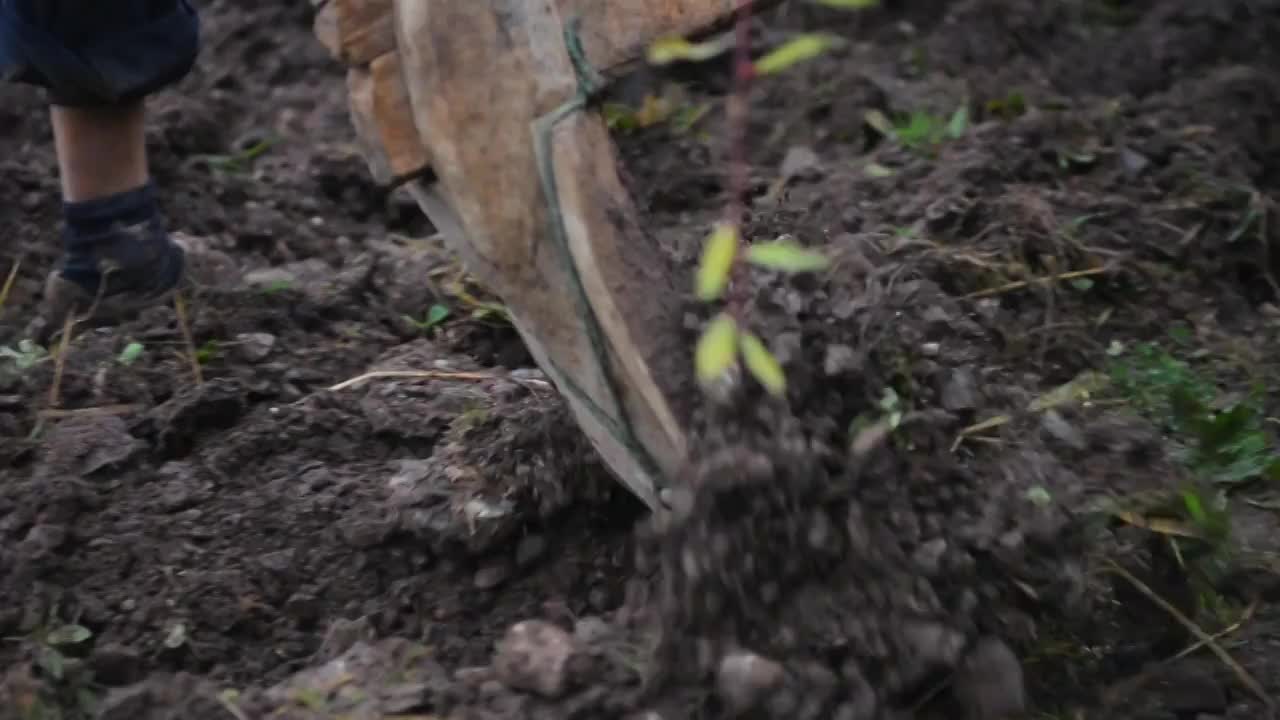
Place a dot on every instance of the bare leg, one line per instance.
(101, 151)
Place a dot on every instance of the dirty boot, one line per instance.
(118, 260)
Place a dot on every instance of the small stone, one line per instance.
(1133, 161)
(933, 643)
(851, 220)
(491, 689)
(176, 496)
(1056, 427)
(802, 163)
(960, 391)
(491, 576)
(744, 679)
(531, 548)
(343, 635)
(989, 683)
(839, 359)
(590, 630)
(788, 347)
(409, 473)
(937, 318)
(255, 346)
(928, 556)
(533, 657)
(930, 349)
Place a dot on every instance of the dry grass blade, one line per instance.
(1081, 388)
(227, 699)
(55, 414)
(1126, 687)
(9, 281)
(1205, 639)
(1020, 284)
(990, 423)
(60, 362)
(1245, 617)
(1158, 525)
(413, 374)
(180, 307)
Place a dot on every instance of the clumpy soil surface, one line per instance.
(1024, 467)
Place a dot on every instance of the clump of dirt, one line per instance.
(863, 577)
(950, 514)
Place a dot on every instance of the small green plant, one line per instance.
(50, 645)
(25, 356)
(1007, 108)
(728, 339)
(436, 314)
(207, 352)
(919, 130)
(276, 287)
(53, 641)
(654, 110)
(1225, 445)
(237, 162)
(130, 354)
(727, 335)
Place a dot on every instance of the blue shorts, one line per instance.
(97, 52)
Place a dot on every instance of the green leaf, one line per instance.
(877, 171)
(786, 255)
(763, 365)
(1195, 508)
(1038, 495)
(847, 4)
(797, 49)
(716, 348)
(667, 50)
(51, 662)
(879, 122)
(717, 260)
(207, 352)
(68, 635)
(618, 116)
(437, 315)
(959, 122)
(131, 353)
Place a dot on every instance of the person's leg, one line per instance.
(99, 62)
(101, 151)
(117, 254)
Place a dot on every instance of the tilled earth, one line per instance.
(918, 531)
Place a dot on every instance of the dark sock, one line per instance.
(125, 230)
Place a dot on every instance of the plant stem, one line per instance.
(736, 112)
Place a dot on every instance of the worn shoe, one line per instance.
(120, 263)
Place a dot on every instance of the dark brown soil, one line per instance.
(364, 551)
